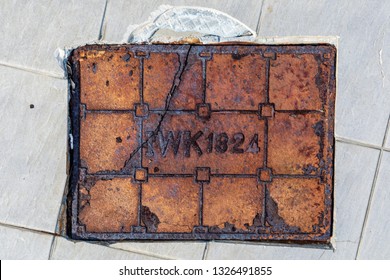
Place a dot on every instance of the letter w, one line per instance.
(170, 139)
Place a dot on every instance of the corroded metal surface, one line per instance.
(202, 142)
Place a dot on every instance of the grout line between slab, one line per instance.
(369, 203)
(259, 20)
(372, 192)
(205, 250)
(101, 30)
(51, 248)
(387, 133)
(28, 229)
(276, 244)
(32, 70)
(136, 252)
(362, 144)
(63, 209)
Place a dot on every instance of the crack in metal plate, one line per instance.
(201, 142)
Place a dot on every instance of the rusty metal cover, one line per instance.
(202, 142)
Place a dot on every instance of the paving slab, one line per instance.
(121, 14)
(363, 94)
(248, 252)
(64, 249)
(33, 145)
(18, 244)
(355, 169)
(376, 237)
(169, 250)
(32, 31)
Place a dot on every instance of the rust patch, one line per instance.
(104, 85)
(232, 203)
(273, 218)
(115, 132)
(159, 74)
(174, 200)
(109, 205)
(149, 219)
(297, 203)
(237, 82)
(294, 144)
(293, 82)
(202, 142)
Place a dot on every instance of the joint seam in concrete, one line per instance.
(372, 192)
(102, 29)
(259, 20)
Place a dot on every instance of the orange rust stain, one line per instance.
(236, 201)
(112, 206)
(109, 80)
(107, 141)
(293, 143)
(235, 81)
(292, 84)
(300, 202)
(160, 71)
(175, 201)
(159, 74)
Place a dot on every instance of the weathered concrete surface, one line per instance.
(33, 148)
(31, 31)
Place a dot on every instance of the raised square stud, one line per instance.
(141, 175)
(80, 229)
(264, 175)
(200, 229)
(203, 110)
(205, 54)
(202, 174)
(138, 229)
(141, 110)
(270, 55)
(141, 54)
(266, 110)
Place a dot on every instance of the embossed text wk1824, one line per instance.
(200, 143)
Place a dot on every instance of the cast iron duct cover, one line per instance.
(200, 142)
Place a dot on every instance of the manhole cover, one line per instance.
(202, 142)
